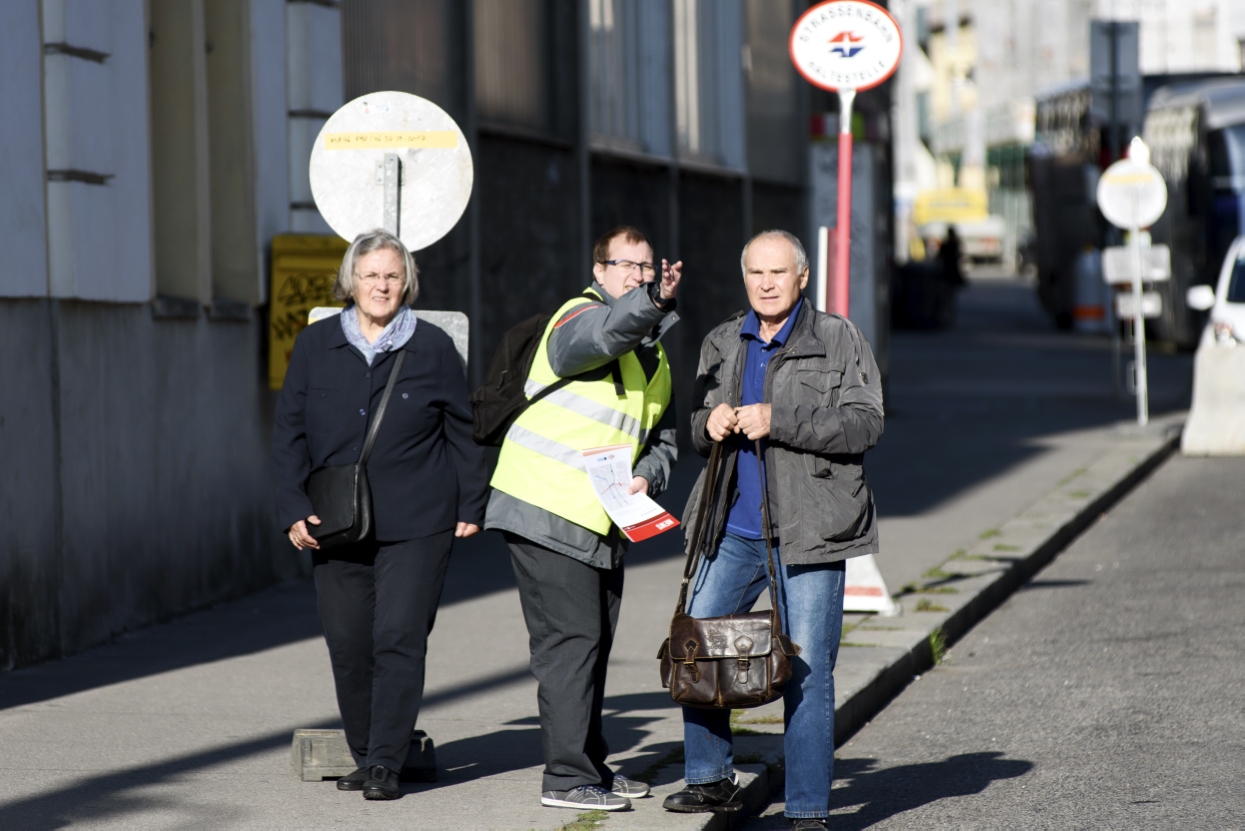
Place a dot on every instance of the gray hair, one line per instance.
(801, 259)
(366, 243)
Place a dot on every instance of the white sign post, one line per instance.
(1132, 195)
(395, 161)
(845, 46)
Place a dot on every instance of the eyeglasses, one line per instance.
(373, 279)
(646, 269)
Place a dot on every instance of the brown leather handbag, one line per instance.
(731, 662)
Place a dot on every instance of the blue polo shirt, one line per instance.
(744, 520)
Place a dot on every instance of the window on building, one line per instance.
(513, 63)
(708, 40)
(406, 45)
(772, 92)
(179, 150)
(629, 74)
(202, 152)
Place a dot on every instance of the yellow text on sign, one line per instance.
(383, 139)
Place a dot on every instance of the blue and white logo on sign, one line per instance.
(846, 44)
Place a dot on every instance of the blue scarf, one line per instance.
(394, 336)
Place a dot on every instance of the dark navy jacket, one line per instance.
(425, 472)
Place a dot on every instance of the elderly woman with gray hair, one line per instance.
(428, 481)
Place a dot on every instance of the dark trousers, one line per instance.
(378, 602)
(571, 611)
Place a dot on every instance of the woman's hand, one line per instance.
(638, 485)
(301, 537)
(722, 422)
(466, 529)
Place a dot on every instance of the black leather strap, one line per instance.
(703, 509)
(374, 428)
(769, 544)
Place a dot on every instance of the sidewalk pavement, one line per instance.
(1000, 444)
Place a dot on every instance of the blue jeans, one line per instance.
(811, 601)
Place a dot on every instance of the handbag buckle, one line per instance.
(689, 660)
(743, 646)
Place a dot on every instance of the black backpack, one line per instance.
(501, 398)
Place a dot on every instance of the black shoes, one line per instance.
(353, 781)
(719, 797)
(382, 783)
(809, 824)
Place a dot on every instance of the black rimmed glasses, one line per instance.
(646, 269)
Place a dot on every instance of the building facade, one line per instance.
(149, 153)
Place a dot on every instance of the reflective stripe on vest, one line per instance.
(541, 460)
(588, 408)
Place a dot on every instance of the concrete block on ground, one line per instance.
(323, 754)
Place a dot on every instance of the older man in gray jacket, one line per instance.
(567, 557)
(802, 387)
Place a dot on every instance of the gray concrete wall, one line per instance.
(137, 485)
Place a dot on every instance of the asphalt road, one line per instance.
(1108, 693)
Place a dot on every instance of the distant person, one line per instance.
(428, 479)
(949, 255)
(567, 555)
(805, 384)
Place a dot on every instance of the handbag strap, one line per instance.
(776, 623)
(701, 518)
(702, 511)
(374, 428)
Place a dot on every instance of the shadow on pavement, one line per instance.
(882, 794)
(272, 618)
(104, 798)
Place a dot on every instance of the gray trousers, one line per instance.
(571, 610)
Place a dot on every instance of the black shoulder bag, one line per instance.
(730, 662)
(340, 494)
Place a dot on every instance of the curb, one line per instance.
(939, 611)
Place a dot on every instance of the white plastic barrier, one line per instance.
(1216, 425)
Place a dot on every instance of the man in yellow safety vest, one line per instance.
(567, 555)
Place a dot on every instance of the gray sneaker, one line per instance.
(592, 797)
(628, 788)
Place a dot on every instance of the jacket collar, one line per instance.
(802, 342)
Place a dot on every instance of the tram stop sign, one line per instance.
(1132, 193)
(846, 45)
(391, 160)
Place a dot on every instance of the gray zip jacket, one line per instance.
(590, 336)
(825, 396)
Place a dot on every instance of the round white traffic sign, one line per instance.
(1132, 194)
(348, 167)
(846, 44)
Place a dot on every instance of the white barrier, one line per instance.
(1216, 425)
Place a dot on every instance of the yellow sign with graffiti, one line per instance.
(304, 268)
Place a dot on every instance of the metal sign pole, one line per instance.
(841, 294)
(1139, 333)
(393, 187)
(1133, 195)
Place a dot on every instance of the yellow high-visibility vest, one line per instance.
(541, 459)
